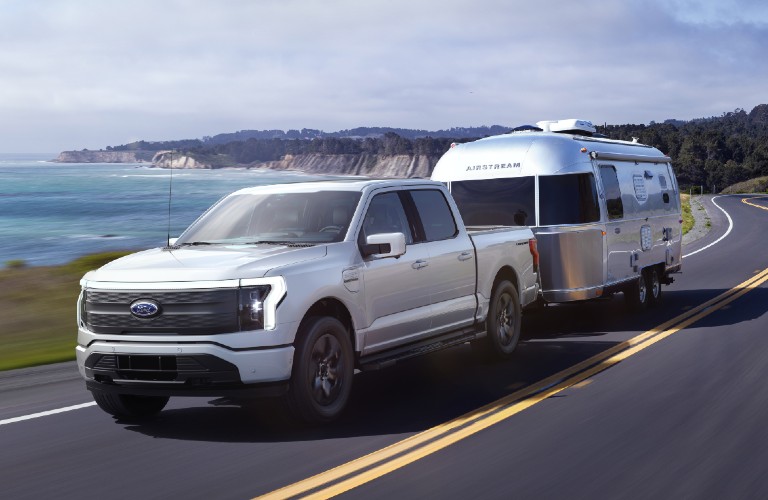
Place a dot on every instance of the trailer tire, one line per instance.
(128, 406)
(323, 368)
(653, 285)
(636, 294)
(502, 324)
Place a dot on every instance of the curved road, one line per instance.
(597, 403)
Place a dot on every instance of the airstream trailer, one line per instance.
(606, 213)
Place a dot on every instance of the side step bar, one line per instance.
(387, 358)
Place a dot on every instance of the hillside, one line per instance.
(712, 152)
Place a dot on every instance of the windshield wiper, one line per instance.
(177, 246)
(197, 243)
(286, 243)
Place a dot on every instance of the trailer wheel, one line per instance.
(636, 294)
(653, 285)
(502, 324)
(322, 371)
(129, 406)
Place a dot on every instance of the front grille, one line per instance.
(199, 312)
(195, 370)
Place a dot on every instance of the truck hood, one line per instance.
(210, 263)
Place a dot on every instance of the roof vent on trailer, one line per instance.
(570, 126)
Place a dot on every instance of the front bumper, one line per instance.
(182, 369)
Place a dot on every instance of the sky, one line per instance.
(78, 74)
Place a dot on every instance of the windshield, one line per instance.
(291, 218)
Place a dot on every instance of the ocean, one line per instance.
(52, 213)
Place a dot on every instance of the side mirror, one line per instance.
(381, 246)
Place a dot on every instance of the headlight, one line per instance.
(258, 301)
(252, 307)
(83, 314)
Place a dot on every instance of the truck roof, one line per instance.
(532, 151)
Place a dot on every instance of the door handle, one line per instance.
(419, 264)
(465, 256)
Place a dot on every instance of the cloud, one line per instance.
(724, 12)
(83, 73)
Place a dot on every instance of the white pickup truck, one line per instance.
(285, 290)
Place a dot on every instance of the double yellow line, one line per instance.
(744, 200)
(365, 469)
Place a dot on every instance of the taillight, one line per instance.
(533, 247)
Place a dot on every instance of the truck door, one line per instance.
(397, 296)
(451, 266)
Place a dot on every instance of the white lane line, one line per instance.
(730, 226)
(46, 413)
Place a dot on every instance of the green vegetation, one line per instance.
(711, 152)
(38, 313)
(759, 185)
(688, 220)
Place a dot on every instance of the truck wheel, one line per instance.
(503, 322)
(653, 285)
(322, 371)
(129, 406)
(636, 294)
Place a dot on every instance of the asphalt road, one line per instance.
(679, 412)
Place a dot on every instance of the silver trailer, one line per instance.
(606, 213)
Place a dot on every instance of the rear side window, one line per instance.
(568, 199)
(435, 214)
(612, 192)
(496, 202)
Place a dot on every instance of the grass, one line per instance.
(758, 185)
(38, 311)
(688, 220)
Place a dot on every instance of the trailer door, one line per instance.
(618, 244)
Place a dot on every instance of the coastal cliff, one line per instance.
(168, 159)
(372, 165)
(366, 164)
(101, 156)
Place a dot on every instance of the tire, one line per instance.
(653, 285)
(636, 294)
(502, 324)
(130, 407)
(323, 367)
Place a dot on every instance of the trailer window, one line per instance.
(496, 202)
(612, 192)
(568, 199)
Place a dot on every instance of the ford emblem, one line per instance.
(144, 308)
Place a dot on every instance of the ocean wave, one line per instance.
(90, 237)
(158, 176)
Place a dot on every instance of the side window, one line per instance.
(568, 199)
(385, 215)
(496, 202)
(664, 192)
(612, 192)
(435, 214)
